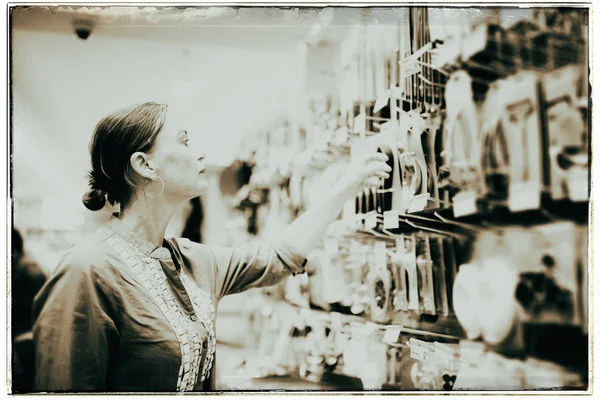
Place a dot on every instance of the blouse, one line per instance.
(122, 314)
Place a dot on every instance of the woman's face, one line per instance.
(177, 160)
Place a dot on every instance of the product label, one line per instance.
(390, 220)
(371, 220)
(444, 355)
(410, 121)
(418, 203)
(397, 92)
(464, 203)
(418, 352)
(409, 67)
(359, 221)
(524, 196)
(578, 188)
(382, 101)
(392, 333)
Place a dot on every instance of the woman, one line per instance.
(132, 311)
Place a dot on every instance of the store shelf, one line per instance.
(478, 52)
(565, 345)
(231, 379)
(489, 218)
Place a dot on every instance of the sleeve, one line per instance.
(255, 265)
(73, 332)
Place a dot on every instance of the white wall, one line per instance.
(62, 86)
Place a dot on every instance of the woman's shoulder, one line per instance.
(88, 254)
(192, 249)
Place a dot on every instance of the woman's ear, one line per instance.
(141, 164)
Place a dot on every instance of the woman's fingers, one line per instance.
(374, 181)
(376, 157)
(383, 174)
(376, 172)
(375, 167)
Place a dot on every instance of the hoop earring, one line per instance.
(162, 187)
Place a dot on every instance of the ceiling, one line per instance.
(271, 28)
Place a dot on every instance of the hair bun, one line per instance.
(94, 200)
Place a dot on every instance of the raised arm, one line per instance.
(258, 265)
(307, 230)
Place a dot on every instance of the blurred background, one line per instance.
(279, 99)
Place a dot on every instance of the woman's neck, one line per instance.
(149, 219)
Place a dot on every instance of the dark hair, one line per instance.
(116, 137)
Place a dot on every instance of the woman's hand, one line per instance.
(368, 168)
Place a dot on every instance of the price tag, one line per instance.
(464, 203)
(524, 196)
(578, 188)
(392, 333)
(418, 122)
(444, 355)
(418, 203)
(359, 222)
(382, 101)
(396, 92)
(418, 352)
(405, 124)
(421, 51)
(409, 67)
(410, 122)
(390, 220)
(371, 220)
(402, 138)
